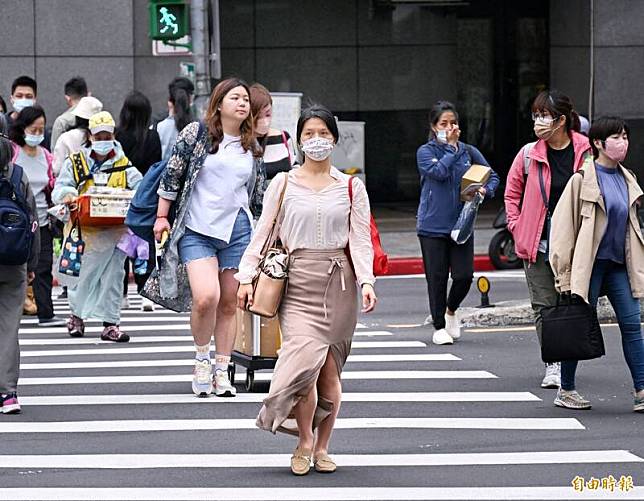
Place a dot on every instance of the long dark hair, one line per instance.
(180, 90)
(24, 119)
(135, 117)
(557, 104)
(213, 118)
(436, 112)
(83, 125)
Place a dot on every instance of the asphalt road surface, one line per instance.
(467, 421)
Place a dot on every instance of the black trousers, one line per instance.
(441, 255)
(140, 280)
(43, 282)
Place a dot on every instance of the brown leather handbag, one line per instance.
(269, 284)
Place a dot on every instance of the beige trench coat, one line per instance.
(578, 226)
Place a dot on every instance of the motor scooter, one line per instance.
(501, 248)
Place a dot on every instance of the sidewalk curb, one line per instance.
(414, 265)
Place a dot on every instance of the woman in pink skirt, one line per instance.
(319, 312)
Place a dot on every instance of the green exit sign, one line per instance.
(168, 19)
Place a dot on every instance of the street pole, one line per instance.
(200, 39)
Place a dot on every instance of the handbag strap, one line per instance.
(542, 186)
(288, 150)
(269, 239)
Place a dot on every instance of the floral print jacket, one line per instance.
(168, 285)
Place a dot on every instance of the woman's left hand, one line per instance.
(369, 298)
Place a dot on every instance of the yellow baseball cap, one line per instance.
(101, 122)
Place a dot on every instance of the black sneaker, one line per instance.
(63, 295)
(52, 322)
(9, 403)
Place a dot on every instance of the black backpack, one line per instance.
(16, 228)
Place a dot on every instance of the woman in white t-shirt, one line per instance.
(27, 132)
(220, 161)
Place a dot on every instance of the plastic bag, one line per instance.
(464, 226)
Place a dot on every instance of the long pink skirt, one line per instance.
(318, 315)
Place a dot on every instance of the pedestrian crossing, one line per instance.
(118, 421)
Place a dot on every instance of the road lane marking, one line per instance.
(245, 398)
(143, 339)
(143, 461)
(396, 493)
(174, 317)
(259, 376)
(119, 349)
(149, 425)
(424, 357)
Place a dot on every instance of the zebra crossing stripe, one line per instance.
(128, 350)
(520, 493)
(145, 339)
(174, 317)
(262, 376)
(426, 357)
(142, 461)
(247, 398)
(397, 493)
(144, 425)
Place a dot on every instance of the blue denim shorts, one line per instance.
(193, 245)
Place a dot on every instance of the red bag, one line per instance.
(380, 259)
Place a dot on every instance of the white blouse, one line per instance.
(220, 190)
(315, 220)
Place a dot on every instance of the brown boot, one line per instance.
(301, 462)
(29, 307)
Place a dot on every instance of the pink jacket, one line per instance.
(526, 222)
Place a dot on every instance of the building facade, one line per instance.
(383, 62)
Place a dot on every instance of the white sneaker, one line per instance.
(453, 325)
(202, 378)
(146, 304)
(125, 303)
(552, 379)
(223, 386)
(441, 336)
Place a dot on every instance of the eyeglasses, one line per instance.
(536, 116)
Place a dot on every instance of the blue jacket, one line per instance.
(441, 169)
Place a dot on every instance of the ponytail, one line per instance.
(180, 90)
(182, 111)
(575, 121)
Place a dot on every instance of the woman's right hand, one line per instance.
(453, 135)
(161, 225)
(244, 296)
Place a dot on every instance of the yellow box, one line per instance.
(270, 335)
(476, 174)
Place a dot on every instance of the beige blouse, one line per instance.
(315, 220)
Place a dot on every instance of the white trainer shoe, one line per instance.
(453, 325)
(125, 303)
(147, 305)
(202, 378)
(223, 386)
(552, 379)
(441, 336)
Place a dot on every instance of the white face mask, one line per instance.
(441, 135)
(263, 126)
(21, 104)
(318, 148)
(33, 139)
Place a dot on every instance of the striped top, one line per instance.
(278, 154)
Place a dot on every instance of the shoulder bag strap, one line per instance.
(288, 150)
(270, 239)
